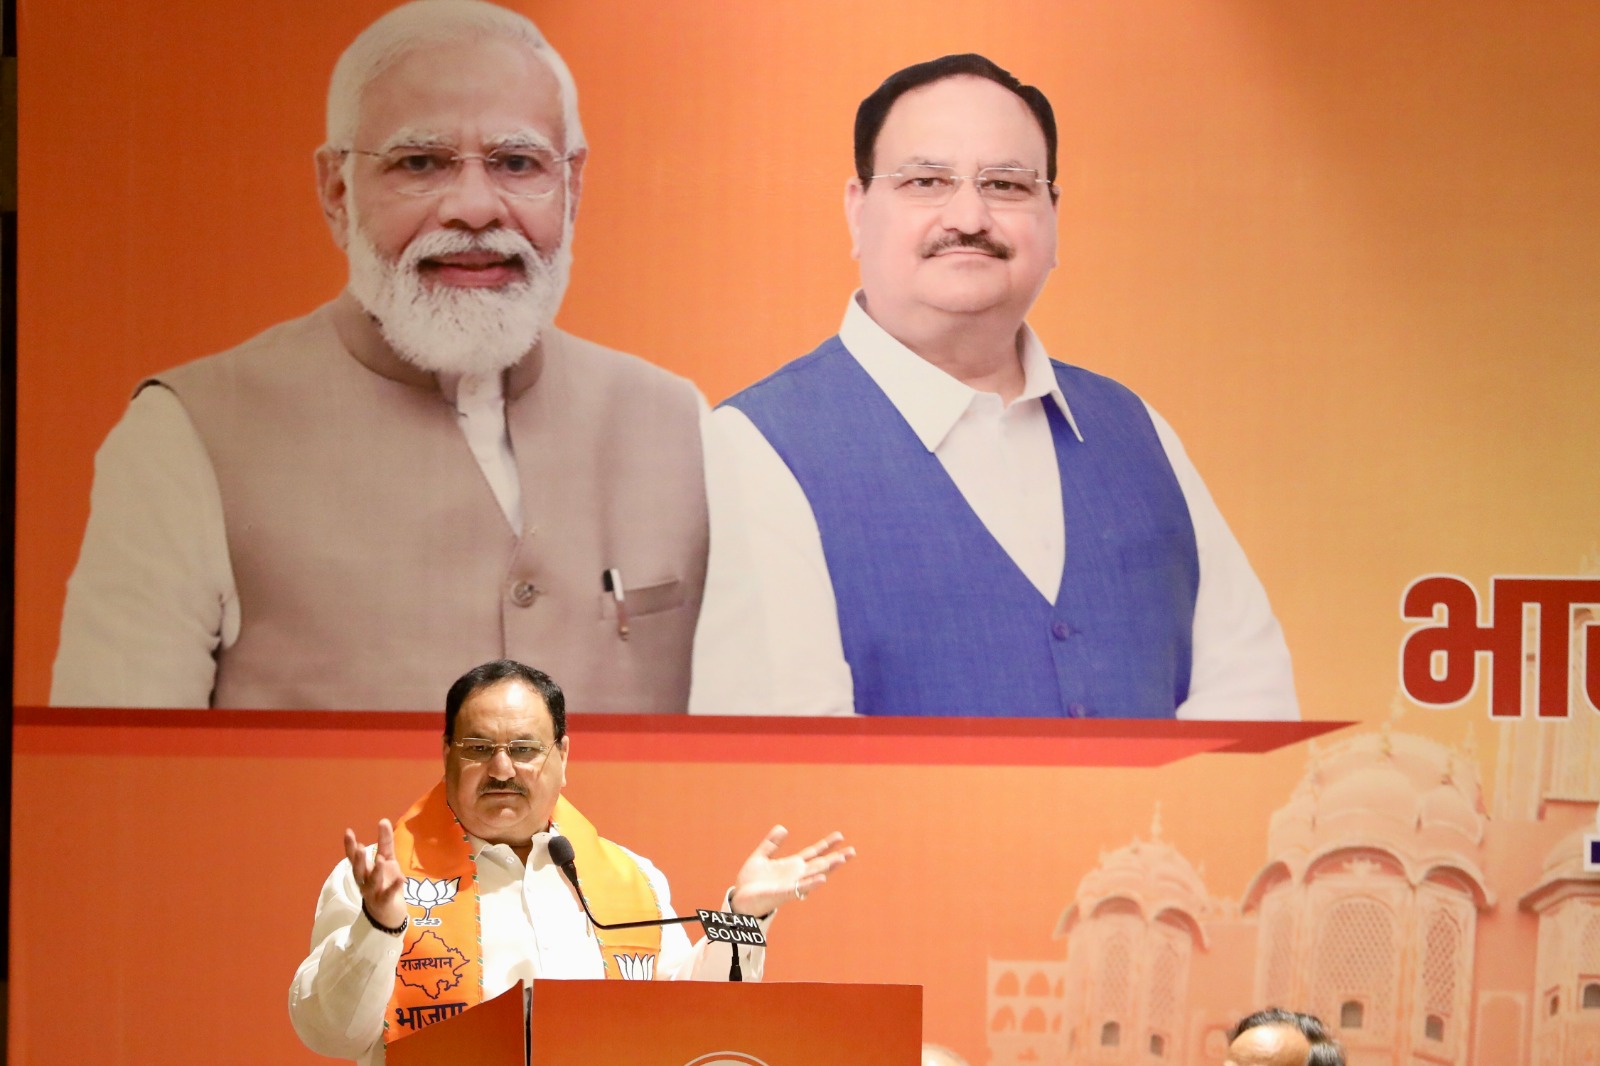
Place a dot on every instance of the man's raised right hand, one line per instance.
(378, 878)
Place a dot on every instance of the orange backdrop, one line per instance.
(1350, 250)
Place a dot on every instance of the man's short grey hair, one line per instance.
(431, 22)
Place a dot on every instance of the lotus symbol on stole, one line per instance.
(636, 967)
(420, 892)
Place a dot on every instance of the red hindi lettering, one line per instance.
(1591, 659)
(1457, 642)
(1554, 597)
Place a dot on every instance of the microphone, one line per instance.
(562, 855)
(717, 925)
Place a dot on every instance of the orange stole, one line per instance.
(440, 972)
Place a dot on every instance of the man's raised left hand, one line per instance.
(767, 879)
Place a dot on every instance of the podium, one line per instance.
(676, 1023)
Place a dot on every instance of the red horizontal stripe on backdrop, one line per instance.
(663, 739)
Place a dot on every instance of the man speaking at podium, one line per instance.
(460, 899)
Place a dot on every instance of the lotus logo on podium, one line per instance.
(726, 1058)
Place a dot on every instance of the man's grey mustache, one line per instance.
(981, 241)
(504, 257)
(437, 245)
(491, 785)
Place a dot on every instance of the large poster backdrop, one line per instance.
(1349, 250)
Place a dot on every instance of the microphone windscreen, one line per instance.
(561, 852)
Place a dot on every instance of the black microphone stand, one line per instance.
(569, 867)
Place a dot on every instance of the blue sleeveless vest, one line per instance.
(935, 617)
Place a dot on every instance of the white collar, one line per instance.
(538, 846)
(467, 392)
(930, 400)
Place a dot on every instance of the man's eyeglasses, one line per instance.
(925, 183)
(521, 752)
(415, 170)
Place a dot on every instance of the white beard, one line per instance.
(447, 329)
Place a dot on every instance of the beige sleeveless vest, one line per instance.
(373, 563)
